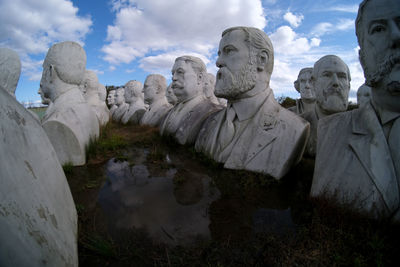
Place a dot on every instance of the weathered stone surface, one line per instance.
(38, 220)
(358, 158)
(154, 95)
(254, 132)
(135, 98)
(122, 107)
(10, 69)
(363, 95)
(111, 101)
(304, 86)
(185, 119)
(331, 82)
(93, 89)
(69, 122)
(171, 98)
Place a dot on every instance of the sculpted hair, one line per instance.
(302, 71)
(133, 88)
(359, 32)
(197, 64)
(159, 80)
(69, 60)
(258, 40)
(322, 59)
(10, 69)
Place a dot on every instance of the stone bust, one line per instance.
(171, 98)
(10, 69)
(366, 173)
(135, 99)
(91, 88)
(254, 132)
(331, 82)
(111, 101)
(154, 90)
(122, 106)
(209, 85)
(304, 86)
(69, 122)
(184, 120)
(363, 95)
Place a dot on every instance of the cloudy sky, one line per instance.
(127, 39)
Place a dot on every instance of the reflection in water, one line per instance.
(272, 221)
(173, 208)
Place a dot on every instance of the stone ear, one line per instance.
(262, 60)
(296, 85)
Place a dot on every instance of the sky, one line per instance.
(127, 40)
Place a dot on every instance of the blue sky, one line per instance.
(127, 40)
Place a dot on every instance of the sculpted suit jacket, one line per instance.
(269, 140)
(353, 163)
(156, 112)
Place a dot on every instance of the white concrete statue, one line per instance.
(69, 122)
(92, 88)
(363, 95)
(38, 220)
(171, 98)
(303, 85)
(209, 85)
(122, 106)
(358, 154)
(135, 98)
(331, 82)
(45, 100)
(184, 121)
(154, 90)
(10, 69)
(254, 132)
(111, 101)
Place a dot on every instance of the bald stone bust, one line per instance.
(154, 91)
(254, 132)
(69, 122)
(304, 86)
(184, 121)
(358, 153)
(122, 106)
(134, 97)
(92, 89)
(331, 81)
(363, 95)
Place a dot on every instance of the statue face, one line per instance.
(171, 98)
(363, 95)
(236, 75)
(332, 86)
(111, 98)
(380, 51)
(45, 101)
(119, 96)
(46, 83)
(150, 91)
(184, 81)
(306, 88)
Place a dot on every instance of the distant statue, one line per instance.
(122, 106)
(331, 82)
(363, 95)
(111, 101)
(254, 132)
(69, 122)
(92, 87)
(38, 220)
(171, 98)
(358, 156)
(184, 120)
(154, 90)
(10, 69)
(304, 86)
(134, 97)
(209, 85)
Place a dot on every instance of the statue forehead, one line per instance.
(181, 63)
(332, 64)
(380, 10)
(235, 37)
(305, 74)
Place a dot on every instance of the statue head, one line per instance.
(188, 77)
(363, 95)
(90, 83)
(45, 100)
(111, 98)
(331, 82)
(10, 69)
(209, 85)
(120, 96)
(154, 88)
(64, 65)
(102, 92)
(303, 84)
(171, 98)
(245, 59)
(133, 91)
(378, 34)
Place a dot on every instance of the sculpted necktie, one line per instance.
(394, 144)
(227, 131)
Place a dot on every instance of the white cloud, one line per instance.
(285, 40)
(142, 27)
(98, 72)
(328, 28)
(294, 20)
(30, 27)
(344, 8)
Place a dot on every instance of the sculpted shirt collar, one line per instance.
(245, 108)
(385, 115)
